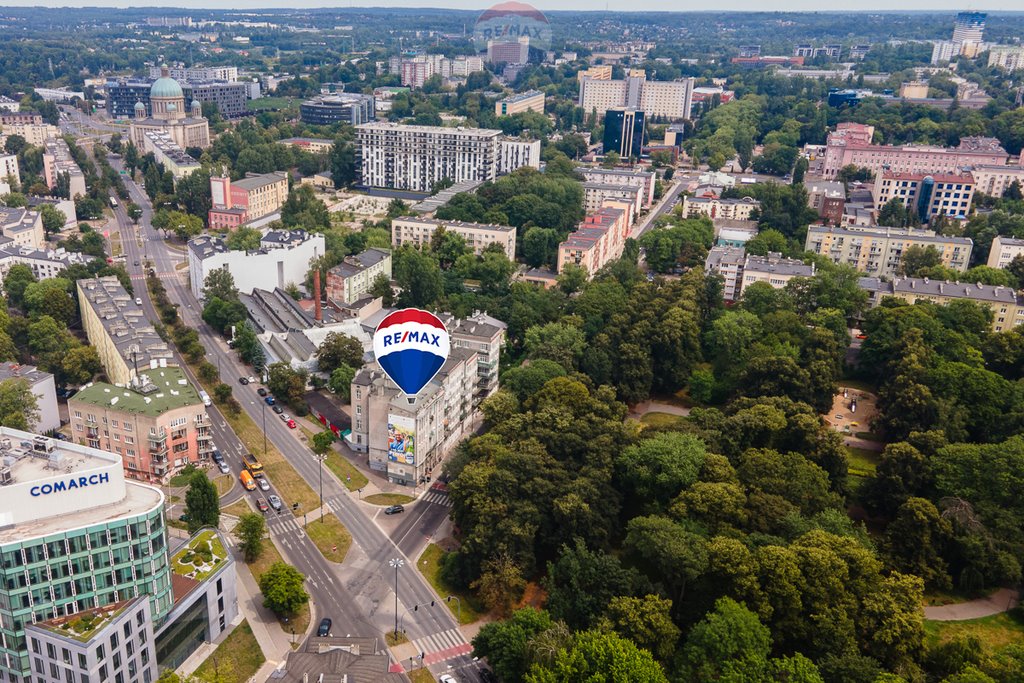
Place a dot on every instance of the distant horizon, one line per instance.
(651, 6)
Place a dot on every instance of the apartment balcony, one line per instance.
(157, 438)
(203, 420)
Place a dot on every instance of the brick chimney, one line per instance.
(319, 314)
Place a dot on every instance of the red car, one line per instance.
(291, 424)
(262, 505)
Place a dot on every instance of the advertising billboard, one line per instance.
(402, 440)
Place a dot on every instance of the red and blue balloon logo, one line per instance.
(411, 345)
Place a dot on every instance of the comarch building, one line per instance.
(90, 590)
(74, 536)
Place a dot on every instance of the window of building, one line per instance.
(51, 652)
(117, 660)
(83, 663)
(35, 646)
(113, 642)
(65, 655)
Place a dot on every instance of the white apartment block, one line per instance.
(514, 153)
(45, 264)
(34, 134)
(995, 180)
(657, 99)
(1008, 57)
(531, 100)
(727, 262)
(733, 209)
(42, 385)
(1004, 250)
(414, 158)
(352, 279)
(419, 231)
(198, 73)
(9, 167)
(596, 194)
(57, 160)
(23, 227)
(667, 99)
(878, 251)
(282, 259)
(613, 176)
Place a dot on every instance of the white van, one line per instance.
(206, 397)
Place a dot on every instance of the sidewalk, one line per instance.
(1001, 601)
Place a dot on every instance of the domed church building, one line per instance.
(186, 127)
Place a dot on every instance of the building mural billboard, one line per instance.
(402, 440)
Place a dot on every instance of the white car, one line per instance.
(264, 484)
(445, 678)
(223, 467)
(138, 301)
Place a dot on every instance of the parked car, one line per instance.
(217, 456)
(183, 518)
(243, 380)
(263, 484)
(488, 676)
(284, 417)
(278, 409)
(445, 678)
(252, 380)
(291, 424)
(269, 400)
(223, 467)
(324, 629)
(394, 510)
(275, 502)
(262, 505)
(261, 391)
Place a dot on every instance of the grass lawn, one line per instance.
(328, 534)
(270, 103)
(662, 420)
(388, 499)
(239, 657)
(936, 598)
(857, 384)
(429, 565)
(177, 524)
(862, 461)
(179, 480)
(421, 676)
(393, 638)
(868, 436)
(995, 632)
(238, 508)
(270, 555)
(223, 483)
(346, 472)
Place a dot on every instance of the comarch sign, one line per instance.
(70, 484)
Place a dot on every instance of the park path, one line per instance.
(644, 407)
(1003, 600)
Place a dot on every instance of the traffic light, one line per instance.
(295, 506)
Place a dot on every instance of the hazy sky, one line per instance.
(640, 5)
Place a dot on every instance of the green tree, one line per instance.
(250, 531)
(507, 643)
(728, 642)
(201, 503)
(572, 278)
(341, 382)
(80, 365)
(582, 582)
(560, 342)
(596, 656)
(134, 212)
(339, 349)
(916, 541)
(381, 287)
(244, 239)
(17, 280)
(501, 584)
(647, 621)
(419, 277)
(283, 593)
(653, 471)
(916, 259)
(288, 385)
(222, 315)
(222, 393)
(19, 406)
(248, 345)
(50, 297)
(53, 219)
(302, 209)
(322, 442)
(220, 284)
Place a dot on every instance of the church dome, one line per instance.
(165, 86)
(139, 106)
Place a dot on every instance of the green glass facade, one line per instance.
(60, 574)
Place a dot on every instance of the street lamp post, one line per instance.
(264, 427)
(396, 563)
(320, 462)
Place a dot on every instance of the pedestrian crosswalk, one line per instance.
(442, 646)
(283, 524)
(437, 498)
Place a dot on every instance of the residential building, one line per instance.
(8, 118)
(34, 134)
(326, 110)
(124, 93)
(515, 153)
(485, 336)
(414, 158)
(42, 386)
(9, 105)
(735, 209)
(878, 251)
(851, 144)
(230, 97)
(625, 132)
(351, 280)
(619, 176)
(969, 27)
(940, 194)
(598, 240)
(407, 442)
(364, 660)
(180, 72)
(383, 97)
(828, 198)
(510, 51)
(809, 51)
(65, 206)
(1004, 250)
(531, 100)
(599, 72)
(1006, 303)
(9, 167)
(45, 264)
(767, 60)
(1006, 57)
(239, 201)
(418, 231)
(23, 227)
(996, 180)
(733, 233)
(708, 95)
(157, 425)
(282, 259)
(596, 194)
(119, 330)
(311, 145)
(75, 551)
(461, 66)
(167, 114)
(657, 99)
(773, 269)
(914, 89)
(167, 152)
(727, 261)
(58, 163)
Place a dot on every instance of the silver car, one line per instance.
(275, 502)
(223, 466)
(264, 484)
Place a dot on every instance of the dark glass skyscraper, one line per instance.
(624, 132)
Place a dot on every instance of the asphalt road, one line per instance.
(667, 201)
(360, 595)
